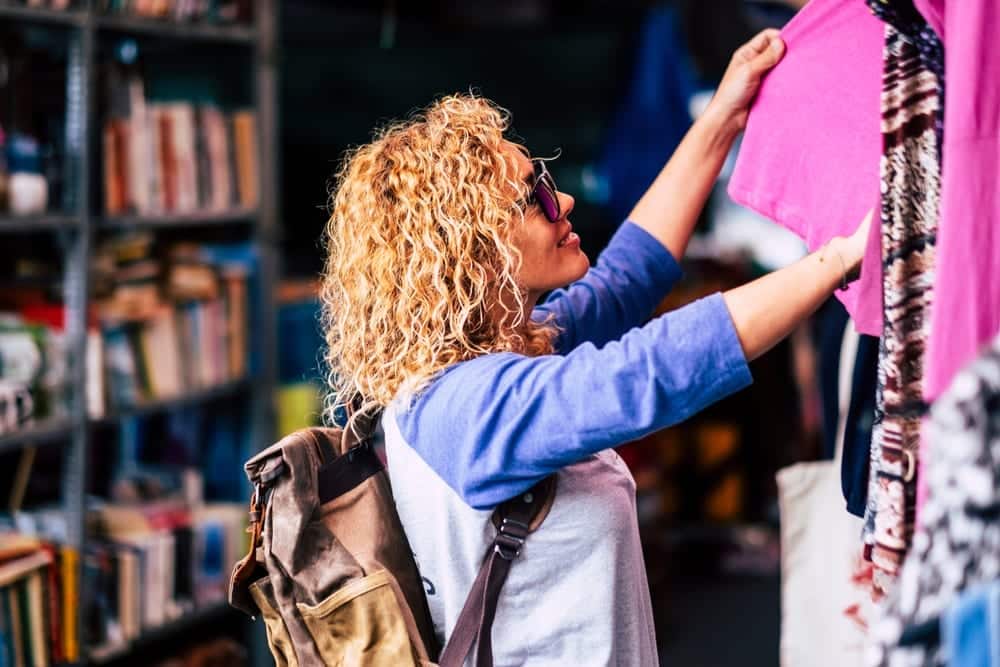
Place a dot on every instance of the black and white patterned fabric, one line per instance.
(958, 543)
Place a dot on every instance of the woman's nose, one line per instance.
(566, 203)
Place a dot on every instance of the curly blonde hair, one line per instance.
(421, 268)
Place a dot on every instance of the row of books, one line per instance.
(165, 320)
(193, 345)
(174, 157)
(39, 593)
(226, 11)
(148, 566)
(172, 320)
(155, 563)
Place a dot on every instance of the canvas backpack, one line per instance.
(329, 568)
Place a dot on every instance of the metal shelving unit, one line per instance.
(84, 28)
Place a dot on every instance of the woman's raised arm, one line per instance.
(671, 205)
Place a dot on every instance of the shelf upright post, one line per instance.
(266, 235)
(76, 281)
(266, 232)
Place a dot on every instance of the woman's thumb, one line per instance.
(768, 57)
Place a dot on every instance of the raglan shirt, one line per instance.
(487, 429)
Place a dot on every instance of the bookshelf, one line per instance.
(80, 224)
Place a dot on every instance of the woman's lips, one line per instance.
(570, 239)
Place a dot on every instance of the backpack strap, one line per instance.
(514, 519)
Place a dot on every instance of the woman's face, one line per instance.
(550, 251)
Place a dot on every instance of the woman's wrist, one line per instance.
(840, 253)
(721, 123)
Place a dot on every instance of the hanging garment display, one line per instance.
(910, 173)
(809, 156)
(958, 544)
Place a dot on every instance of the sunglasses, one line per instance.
(544, 192)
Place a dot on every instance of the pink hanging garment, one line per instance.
(966, 309)
(809, 159)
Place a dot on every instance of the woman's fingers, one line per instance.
(760, 44)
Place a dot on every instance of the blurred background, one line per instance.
(164, 177)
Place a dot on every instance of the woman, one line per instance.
(442, 238)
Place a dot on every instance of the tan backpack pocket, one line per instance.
(360, 624)
(277, 634)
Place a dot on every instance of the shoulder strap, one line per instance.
(514, 519)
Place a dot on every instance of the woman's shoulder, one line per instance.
(463, 384)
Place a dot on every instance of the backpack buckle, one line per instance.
(510, 538)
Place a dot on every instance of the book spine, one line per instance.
(69, 562)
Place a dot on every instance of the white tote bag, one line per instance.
(820, 544)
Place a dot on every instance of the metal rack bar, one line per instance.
(165, 404)
(72, 17)
(35, 223)
(168, 630)
(178, 30)
(235, 216)
(63, 429)
(80, 107)
(42, 433)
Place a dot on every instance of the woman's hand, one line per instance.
(856, 244)
(746, 70)
(769, 308)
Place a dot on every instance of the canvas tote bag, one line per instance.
(820, 544)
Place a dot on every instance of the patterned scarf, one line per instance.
(912, 105)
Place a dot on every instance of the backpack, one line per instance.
(329, 568)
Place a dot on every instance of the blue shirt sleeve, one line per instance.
(493, 426)
(620, 292)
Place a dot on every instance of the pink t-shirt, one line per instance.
(809, 159)
(966, 310)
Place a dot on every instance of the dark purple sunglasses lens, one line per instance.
(545, 192)
(548, 201)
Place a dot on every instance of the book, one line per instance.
(69, 561)
(34, 595)
(245, 139)
(20, 589)
(16, 545)
(53, 604)
(6, 648)
(18, 569)
(10, 600)
(161, 354)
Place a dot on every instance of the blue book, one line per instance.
(6, 633)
